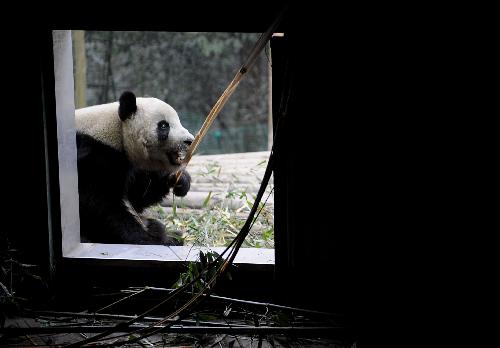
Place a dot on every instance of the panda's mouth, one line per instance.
(176, 157)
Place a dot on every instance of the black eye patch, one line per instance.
(163, 129)
(163, 125)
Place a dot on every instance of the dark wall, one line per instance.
(354, 199)
(23, 143)
(331, 162)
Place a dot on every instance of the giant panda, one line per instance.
(128, 154)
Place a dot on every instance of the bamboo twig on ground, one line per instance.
(223, 329)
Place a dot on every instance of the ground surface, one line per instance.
(220, 174)
(223, 190)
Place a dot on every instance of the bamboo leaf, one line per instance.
(205, 202)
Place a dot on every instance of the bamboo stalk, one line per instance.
(270, 305)
(122, 299)
(219, 104)
(120, 317)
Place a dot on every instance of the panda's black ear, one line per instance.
(127, 105)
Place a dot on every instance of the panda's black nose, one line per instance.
(188, 142)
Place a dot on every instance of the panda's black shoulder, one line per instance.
(96, 154)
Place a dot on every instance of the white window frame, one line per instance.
(72, 248)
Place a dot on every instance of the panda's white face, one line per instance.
(154, 138)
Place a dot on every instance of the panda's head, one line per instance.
(153, 137)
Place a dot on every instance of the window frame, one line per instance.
(62, 171)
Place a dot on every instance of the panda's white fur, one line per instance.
(102, 123)
(136, 136)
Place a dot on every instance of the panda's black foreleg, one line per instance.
(125, 226)
(148, 188)
(116, 226)
(145, 189)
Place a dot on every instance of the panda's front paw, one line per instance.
(183, 184)
(174, 238)
(159, 235)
